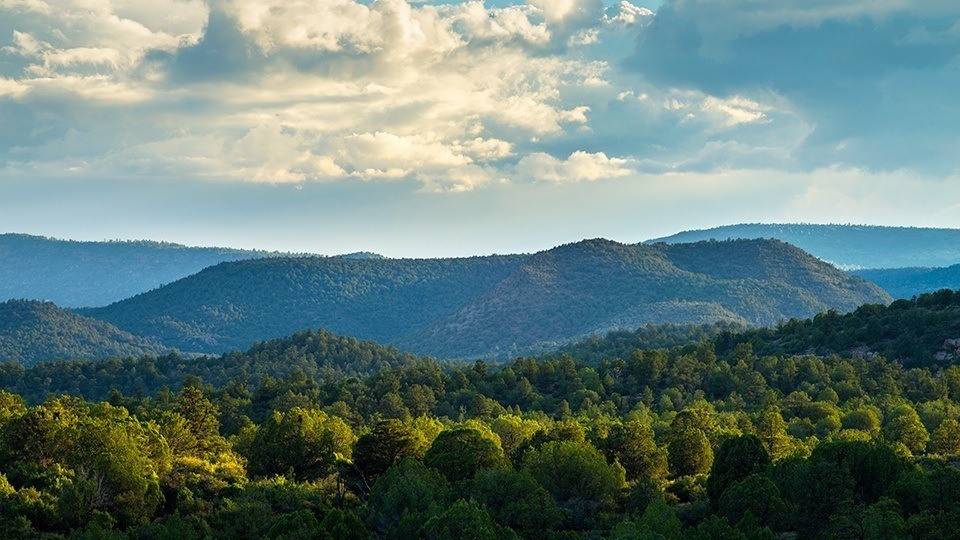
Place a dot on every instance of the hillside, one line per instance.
(315, 354)
(32, 331)
(74, 274)
(917, 332)
(490, 305)
(910, 282)
(597, 285)
(848, 246)
(231, 305)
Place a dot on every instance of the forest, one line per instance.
(677, 433)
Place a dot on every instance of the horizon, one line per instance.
(465, 255)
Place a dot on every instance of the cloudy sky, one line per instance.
(454, 128)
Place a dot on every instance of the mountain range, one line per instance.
(495, 305)
(847, 246)
(74, 274)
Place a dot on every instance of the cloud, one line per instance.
(875, 79)
(464, 96)
(579, 166)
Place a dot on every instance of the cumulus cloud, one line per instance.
(579, 166)
(463, 96)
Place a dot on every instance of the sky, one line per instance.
(452, 128)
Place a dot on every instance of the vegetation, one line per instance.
(850, 246)
(918, 332)
(498, 305)
(704, 440)
(32, 331)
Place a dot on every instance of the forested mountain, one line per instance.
(490, 305)
(73, 274)
(32, 331)
(849, 246)
(910, 282)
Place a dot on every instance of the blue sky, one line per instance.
(456, 128)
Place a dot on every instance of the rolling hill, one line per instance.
(73, 274)
(497, 305)
(910, 282)
(848, 246)
(32, 331)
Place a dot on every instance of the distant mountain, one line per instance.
(910, 282)
(490, 305)
(32, 331)
(848, 246)
(74, 274)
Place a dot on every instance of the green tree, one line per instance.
(465, 521)
(389, 442)
(689, 453)
(459, 453)
(736, 459)
(304, 441)
(632, 444)
(946, 438)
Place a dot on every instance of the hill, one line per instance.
(922, 331)
(32, 331)
(910, 282)
(85, 274)
(848, 246)
(597, 285)
(312, 354)
(495, 305)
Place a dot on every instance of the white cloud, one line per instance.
(579, 166)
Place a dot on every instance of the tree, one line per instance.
(465, 521)
(404, 498)
(905, 426)
(736, 459)
(515, 499)
(946, 438)
(756, 494)
(632, 444)
(690, 453)
(304, 441)
(459, 453)
(389, 442)
(579, 477)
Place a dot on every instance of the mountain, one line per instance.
(456, 308)
(921, 331)
(596, 285)
(32, 331)
(848, 246)
(231, 305)
(910, 282)
(74, 274)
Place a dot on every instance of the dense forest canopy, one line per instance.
(497, 305)
(697, 441)
(32, 331)
(850, 246)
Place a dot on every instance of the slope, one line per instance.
(597, 285)
(73, 274)
(32, 331)
(849, 246)
(231, 305)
